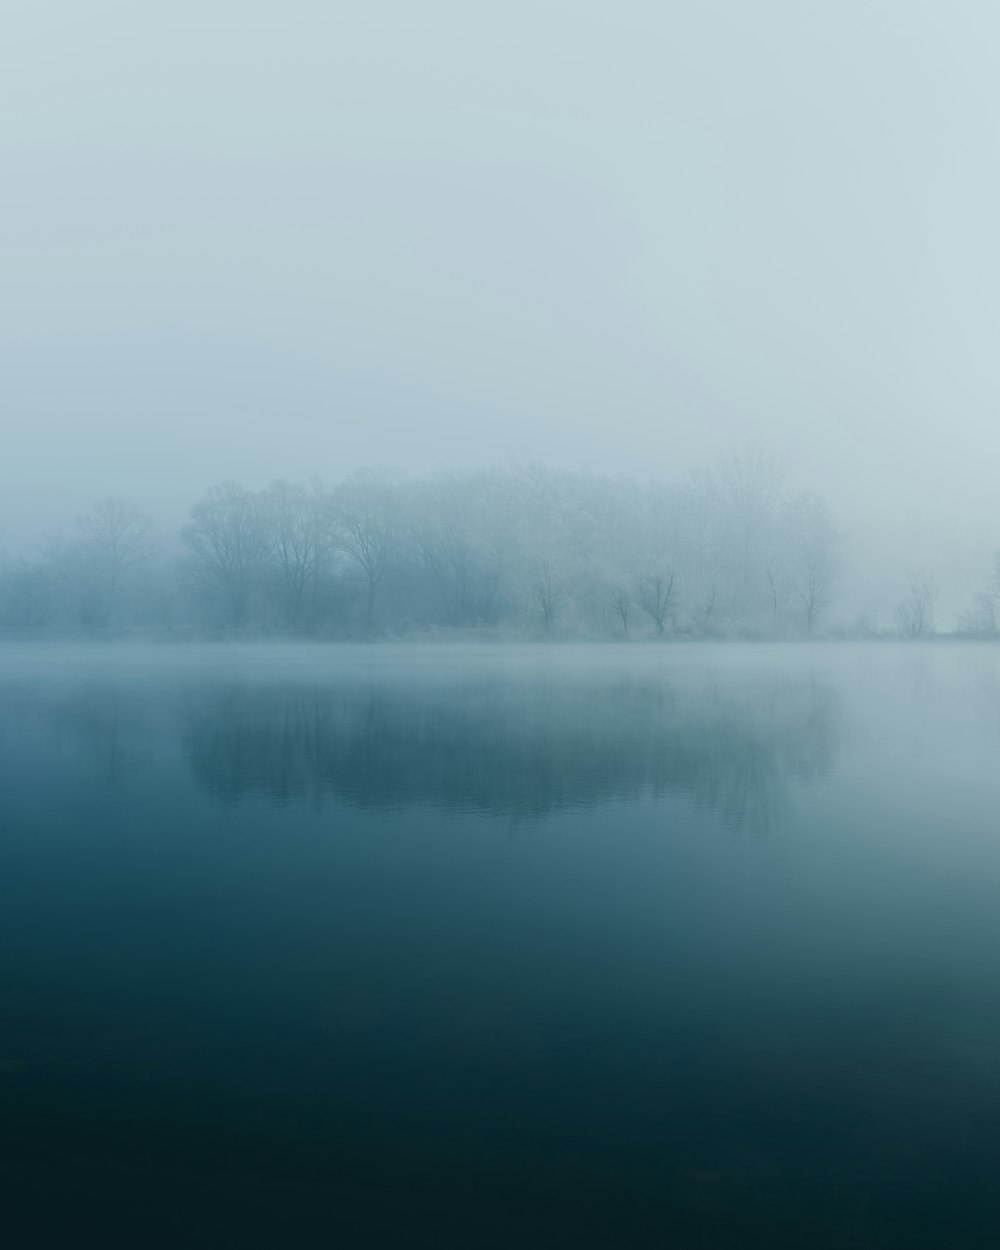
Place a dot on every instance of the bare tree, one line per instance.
(816, 557)
(230, 544)
(983, 617)
(551, 588)
(706, 608)
(656, 596)
(115, 538)
(752, 481)
(448, 531)
(915, 614)
(302, 527)
(776, 574)
(621, 599)
(367, 508)
(545, 517)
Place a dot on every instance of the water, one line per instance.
(654, 946)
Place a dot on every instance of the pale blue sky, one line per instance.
(244, 238)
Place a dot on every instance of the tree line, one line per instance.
(526, 549)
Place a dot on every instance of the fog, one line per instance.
(249, 241)
(499, 624)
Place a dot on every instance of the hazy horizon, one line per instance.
(249, 242)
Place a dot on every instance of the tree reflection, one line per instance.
(516, 748)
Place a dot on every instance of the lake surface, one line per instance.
(686, 946)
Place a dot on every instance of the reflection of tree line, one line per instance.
(516, 749)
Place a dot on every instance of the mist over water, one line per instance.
(499, 625)
(559, 945)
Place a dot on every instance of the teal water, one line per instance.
(686, 946)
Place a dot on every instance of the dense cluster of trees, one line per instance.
(527, 549)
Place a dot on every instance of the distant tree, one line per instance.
(752, 481)
(656, 595)
(230, 543)
(92, 568)
(816, 558)
(982, 616)
(454, 544)
(551, 588)
(915, 613)
(705, 613)
(549, 535)
(367, 506)
(621, 599)
(660, 533)
(302, 528)
(779, 573)
(116, 538)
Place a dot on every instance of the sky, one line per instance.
(246, 239)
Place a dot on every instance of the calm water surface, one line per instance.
(654, 946)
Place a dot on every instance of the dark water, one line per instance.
(661, 946)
